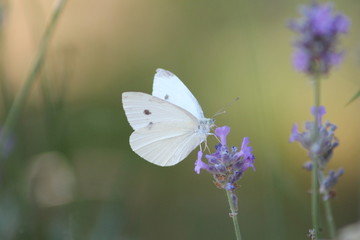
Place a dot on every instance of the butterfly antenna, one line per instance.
(222, 110)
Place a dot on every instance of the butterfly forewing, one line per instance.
(169, 87)
(143, 110)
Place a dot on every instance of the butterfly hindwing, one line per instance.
(165, 144)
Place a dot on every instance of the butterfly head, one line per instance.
(206, 124)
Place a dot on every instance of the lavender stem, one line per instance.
(328, 213)
(233, 215)
(315, 171)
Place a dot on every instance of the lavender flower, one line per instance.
(227, 165)
(318, 29)
(323, 147)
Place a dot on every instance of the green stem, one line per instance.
(315, 171)
(12, 117)
(315, 199)
(329, 215)
(233, 215)
(330, 219)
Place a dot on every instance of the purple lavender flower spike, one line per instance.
(227, 165)
(222, 133)
(318, 31)
(323, 147)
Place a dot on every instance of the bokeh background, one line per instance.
(71, 173)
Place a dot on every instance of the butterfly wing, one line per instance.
(165, 144)
(164, 133)
(169, 87)
(142, 110)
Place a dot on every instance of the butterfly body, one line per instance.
(169, 124)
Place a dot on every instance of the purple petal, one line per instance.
(335, 58)
(248, 163)
(222, 133)
(321, 19)
(246, 151)
(341, 24)
(294, 133)
(199, 164)
(301, 60)
(245, 142)
(321, 112)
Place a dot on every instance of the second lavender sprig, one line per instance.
(318, 28)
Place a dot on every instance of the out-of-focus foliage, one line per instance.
(354, 97)
(72, 174)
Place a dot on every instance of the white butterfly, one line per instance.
(169, 124)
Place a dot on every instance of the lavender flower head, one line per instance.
(323, 147)
(318, 29)
(227, 165)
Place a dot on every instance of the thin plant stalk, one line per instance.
(318, 175)
(315, 199)
(20, 99)
(315, 203)
(328, 214)
(330, 219)
(233, 215)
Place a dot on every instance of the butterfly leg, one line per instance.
(207, 147)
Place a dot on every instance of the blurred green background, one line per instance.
(72, 174)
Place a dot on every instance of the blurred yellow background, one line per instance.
(97, 188)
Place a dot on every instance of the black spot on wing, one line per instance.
(166, 97)
(149, 126)
(147, 112)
